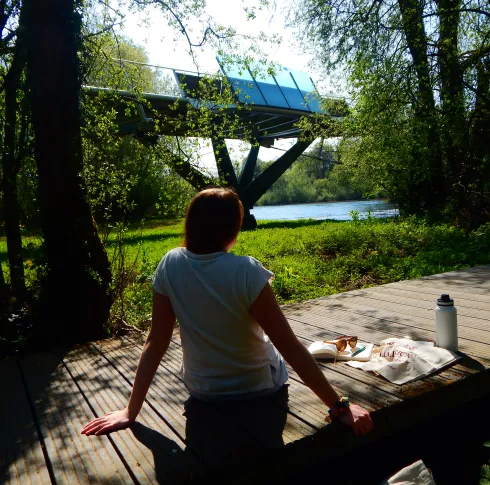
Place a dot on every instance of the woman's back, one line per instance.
(226, 352)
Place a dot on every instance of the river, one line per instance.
(325, 210)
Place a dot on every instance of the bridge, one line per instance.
(244, 103)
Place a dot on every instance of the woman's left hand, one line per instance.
(108, 423)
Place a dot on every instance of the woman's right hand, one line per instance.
(357, 418)
(108, 423)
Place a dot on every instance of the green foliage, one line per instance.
(330, 257)
(310, 259)
(126, 179)
(318, 176)
(419, 77)
(314, 259)
(16, 321)
(485, 469)
(116, 62)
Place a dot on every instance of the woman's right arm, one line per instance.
(269, 316)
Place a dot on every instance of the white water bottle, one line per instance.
(446, 324)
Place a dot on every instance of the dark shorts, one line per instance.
(228, 432)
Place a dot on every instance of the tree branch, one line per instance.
(106, 4)
(474, 56)
(104, 30)
(457, 10)
(5, 15)
(476, 91)
(209, 30)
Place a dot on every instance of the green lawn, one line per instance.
(309, 258)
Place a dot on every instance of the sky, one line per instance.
(168, 48)
(158, 37)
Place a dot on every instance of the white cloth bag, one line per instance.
(404, 360)
(414, 474)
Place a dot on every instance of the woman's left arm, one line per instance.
(157, 342)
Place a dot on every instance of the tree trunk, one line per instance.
(77, 296)
(452, 100)
(454, 128)
(427, 121)
(11, 165)
(414, 30)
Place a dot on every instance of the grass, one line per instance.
(485, 469)
(309, 258)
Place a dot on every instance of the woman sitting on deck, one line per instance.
(224, 305)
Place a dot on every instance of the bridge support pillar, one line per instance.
(249, 221)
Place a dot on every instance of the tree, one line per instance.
(77, 297)
(15, 128)
(116, 62)
(126, 179)
(420, 75)
(14, 124)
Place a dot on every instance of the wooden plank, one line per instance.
(166, 395)
(424, 301)
(434, 289)
(361, 393)
(294, 429)
(479, 293)
(476, 276)
(61, 413)
(468, 327)
(325, 323)
(108, 391)
(21, 457)
(433, 285)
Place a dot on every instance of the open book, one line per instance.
(321, 350)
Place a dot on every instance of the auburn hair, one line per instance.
(213, 219)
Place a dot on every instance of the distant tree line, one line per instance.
(317, 176)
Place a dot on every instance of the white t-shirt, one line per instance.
(225, 351)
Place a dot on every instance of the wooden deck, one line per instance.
(45, 399)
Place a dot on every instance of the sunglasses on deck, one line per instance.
(341, 342)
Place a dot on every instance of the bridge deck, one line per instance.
(46, 398)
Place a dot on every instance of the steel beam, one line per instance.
(256, 189)
(249, 167)
(184, 168)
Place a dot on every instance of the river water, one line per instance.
(325, 210)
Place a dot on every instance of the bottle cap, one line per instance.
(445, 300)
